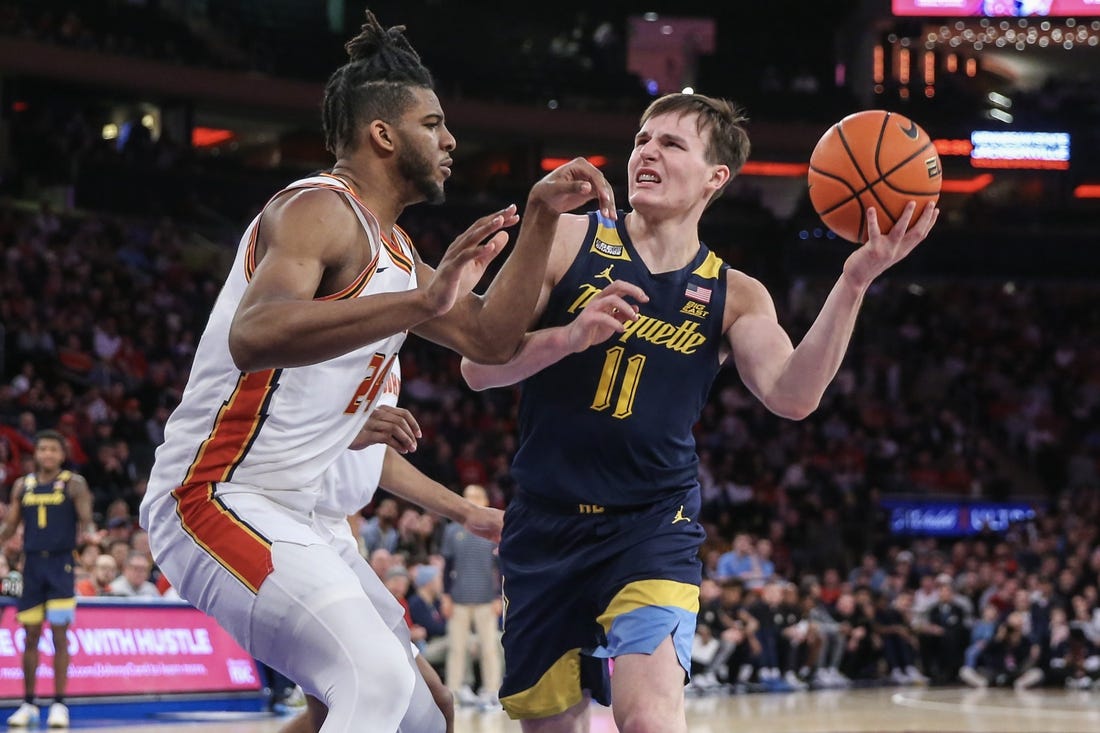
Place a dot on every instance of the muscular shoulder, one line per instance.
(313, 221)
(745, 295)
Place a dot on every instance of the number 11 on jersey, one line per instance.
(624, 405)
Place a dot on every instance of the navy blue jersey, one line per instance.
(49, 515)
(612, 425)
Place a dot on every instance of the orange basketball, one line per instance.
(872, 158)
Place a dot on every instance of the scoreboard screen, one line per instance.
(997, 8)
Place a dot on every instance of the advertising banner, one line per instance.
(132, 650)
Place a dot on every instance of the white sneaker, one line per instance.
(839, 678)
(792, 679)
(488, 702)
(915, 675)
(467, 697)
(1028, 679)
(58, 717)
(970, 676)
(898, 676)
(26, 716)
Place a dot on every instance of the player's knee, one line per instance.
(375, 670)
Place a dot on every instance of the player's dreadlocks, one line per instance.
(373, 85)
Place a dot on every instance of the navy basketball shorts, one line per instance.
(48, 587)
(584, 584)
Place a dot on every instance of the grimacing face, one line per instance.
(668, 170)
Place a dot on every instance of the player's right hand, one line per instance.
(605, 315)
(571, 185)
(394, 426)
(486, 522)
(465, 260)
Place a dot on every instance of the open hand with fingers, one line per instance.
(571, 185)
(605, 315)
(465, 260)
(394, 426)
(884, 249)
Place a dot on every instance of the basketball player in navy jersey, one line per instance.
(600, 546)
(54, 505)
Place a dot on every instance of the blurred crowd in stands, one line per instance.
(573, 53)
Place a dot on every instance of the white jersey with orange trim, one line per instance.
(278, 430)
(349, 484)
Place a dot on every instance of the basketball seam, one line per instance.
(870, 186)
(855, 194)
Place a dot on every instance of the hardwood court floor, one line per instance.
(886, 710)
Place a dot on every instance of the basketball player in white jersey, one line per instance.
(320, 296)
(375, 459)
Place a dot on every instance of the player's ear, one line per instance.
(380, 135)
(719, 177)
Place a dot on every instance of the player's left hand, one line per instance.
(605, 315)
(485, 522)
(394, 426)
(571, 185)
(883, 250)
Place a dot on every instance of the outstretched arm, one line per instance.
(489, 328)
(310, 234)
(602, 318)
(791, 381)
(401, 478)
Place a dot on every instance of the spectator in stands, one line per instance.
(943, 634)
(380, 531)
(134, 580)
(1010, 659)
(426, 612)
(736, 630)
(414, 531)
(893, 629)
(1072, 660)
(473, 584)
(827, 630)
(380, 561)
(772, 661)
(104, 573)
(397, 582)
(855, 627)
(86, 553)
(120, 550)
(738, 561)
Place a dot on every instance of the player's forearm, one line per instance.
(814, 362)
(401, 478)
(539, 350)
(291, 333)
(509, 303)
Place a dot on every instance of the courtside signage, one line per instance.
(953, 518)
(133, 650)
